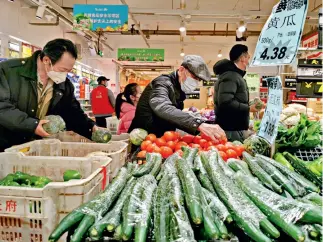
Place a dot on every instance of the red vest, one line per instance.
(100, 101)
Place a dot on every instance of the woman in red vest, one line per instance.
(102, 101)
(126, 106)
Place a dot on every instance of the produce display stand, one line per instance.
(309, 154)
(30, 214)
(116, 150)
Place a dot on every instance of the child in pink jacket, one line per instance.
(125, 108)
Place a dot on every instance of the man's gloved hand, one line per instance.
(214, 131)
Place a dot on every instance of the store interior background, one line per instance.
(18, 19)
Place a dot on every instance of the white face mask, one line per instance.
(189, 85)
(57, 77)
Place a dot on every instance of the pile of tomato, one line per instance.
(172, 142)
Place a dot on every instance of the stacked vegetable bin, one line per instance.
(30, 214)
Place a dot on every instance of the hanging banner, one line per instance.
(270, 121)
(147, 55)
(253, 82)
(26, 50)
(280, 37)
(100, 17)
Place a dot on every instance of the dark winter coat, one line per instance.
(160, 108)
(18, 103)
(231, 97)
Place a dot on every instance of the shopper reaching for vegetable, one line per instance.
(32, 88)
(161, 104)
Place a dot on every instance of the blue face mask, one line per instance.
(189, 85)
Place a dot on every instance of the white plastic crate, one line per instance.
(117, 150)
(31, 214)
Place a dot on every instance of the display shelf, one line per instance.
(299, 101)
(83, 99)
(309, 154)
(290, 88)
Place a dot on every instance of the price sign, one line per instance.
(270, 121)
(280, 37)
(209, 83)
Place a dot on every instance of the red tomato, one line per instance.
(171, 144)
(166, 151)
(224, 140)
(160, 142)
(229, 145)
(151, 137)
(223, 155)
(221, 148)
(239, 149)
(180, 152)
(231, 153)
(208, 144)
(179, 145)
(188, 138)
(197, 139)
(204, 136)
(203, 143)
(156, 149)
(142, 154)
(144, 144)
(150, 148)
(177, 135)
(195, 146)
(169, 136)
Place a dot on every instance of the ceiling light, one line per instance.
(242, 27)
(40, 11)
(182, 53)
(219, 54)
(11, 1)
(182, 28)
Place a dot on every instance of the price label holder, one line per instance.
(270, 121)
(281, 35)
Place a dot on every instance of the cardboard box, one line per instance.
(316, 105)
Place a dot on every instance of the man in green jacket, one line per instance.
(34, 87)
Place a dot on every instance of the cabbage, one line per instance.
(193, 109)
(55, 124)
(212, 113)
(137, 136)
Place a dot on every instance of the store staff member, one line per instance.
(160, 105)
(34, 87)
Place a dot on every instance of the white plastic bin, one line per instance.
(31, 214)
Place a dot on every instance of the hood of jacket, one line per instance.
(225, 65)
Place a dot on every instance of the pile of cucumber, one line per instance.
(199, 197)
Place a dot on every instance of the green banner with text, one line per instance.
(148, 55)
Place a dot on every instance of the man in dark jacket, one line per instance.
(160, 105)
(231, 94)
(34, 87)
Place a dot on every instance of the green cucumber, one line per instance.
(205, 181)
(145, 210)
(223, 231)
(269, 229)
(118, 233)
(198, 166)
(112, 219)
(162, 210)
(191, 190)
(65, 225)
(239, 165)
(217, 206)
(314, 198)
(261, 174)
(189, 155)
(275, 208)
(278, 177)
(301, 167)
(279, 157)
(211, 230)
(146, 168)
(312, 216)
(235, 199)
(85, 224)
(157, 167)
(299, 180)
(176, 196)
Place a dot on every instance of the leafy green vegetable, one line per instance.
(257, 145)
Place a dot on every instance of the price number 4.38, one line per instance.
(269, 128)
(279, 53)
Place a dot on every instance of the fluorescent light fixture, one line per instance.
(11, 1)
(40, 11)
(182, 28)
(14, 46)
(242, 27)
(219, 54)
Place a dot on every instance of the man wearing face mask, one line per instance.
(231, 94)
(34, 87)
(161, 103)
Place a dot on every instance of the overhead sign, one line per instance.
(148, 55)
(253, 82)
(280, 37)
(100, 17)
(270, 121)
